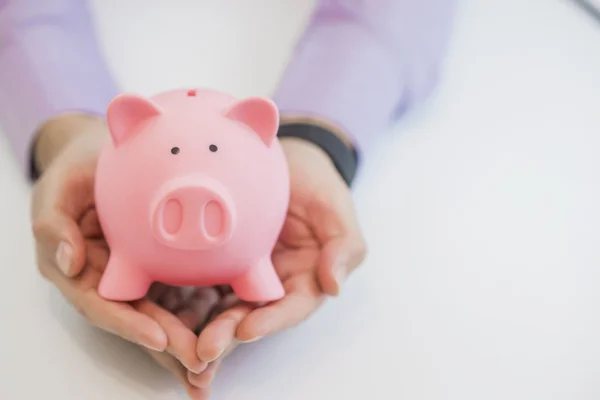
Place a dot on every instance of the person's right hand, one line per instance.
(72, 253)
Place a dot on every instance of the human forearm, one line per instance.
(55, 134)
(50, 66)
(360, 63)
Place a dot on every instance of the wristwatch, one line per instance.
(344, 158)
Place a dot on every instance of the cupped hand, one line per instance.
(194, 307)
(319, 247)
(72, 253)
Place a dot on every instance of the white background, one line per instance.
(481, 210)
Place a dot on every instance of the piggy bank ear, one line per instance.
(125, 113)
(259, 114)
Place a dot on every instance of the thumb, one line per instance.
(339, 257)
(61, 242)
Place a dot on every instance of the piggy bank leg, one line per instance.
(123, 281)
(259, 284)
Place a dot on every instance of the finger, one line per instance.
(204, 379)
(303, 297)
(219, 334)
(59, 201)
(89, 225)
(171, 364)
(181, 341)
(96, 255)
(336, 227)
(115, 317)
(338, 259)
(124, 321)
(59, 239)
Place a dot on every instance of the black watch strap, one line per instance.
(344, 158)
(34, 173)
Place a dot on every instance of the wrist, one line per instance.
(321, 123)
(329, 141)
(56, 134)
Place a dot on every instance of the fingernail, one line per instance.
(209, 360)
(151, 348)
(199, 369)
(64, 253)
(252, 340)
(195, 369)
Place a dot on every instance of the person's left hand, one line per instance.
(319, 246)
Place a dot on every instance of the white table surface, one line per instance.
(482, 211)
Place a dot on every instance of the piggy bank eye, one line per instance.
(213, 148)
(175, 150)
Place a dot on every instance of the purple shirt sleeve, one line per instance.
(361, 63)
(50, 63)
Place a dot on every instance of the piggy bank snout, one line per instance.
(193, 213)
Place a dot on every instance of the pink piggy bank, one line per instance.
(192, 190)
